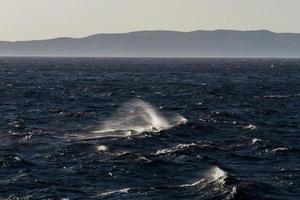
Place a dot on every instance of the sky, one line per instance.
(42, 19)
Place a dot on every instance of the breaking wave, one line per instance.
(217, 174)
(135, 117)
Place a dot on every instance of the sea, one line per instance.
(149, 128)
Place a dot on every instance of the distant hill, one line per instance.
(218, 43)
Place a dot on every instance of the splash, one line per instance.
(135, 117)
(217, 174)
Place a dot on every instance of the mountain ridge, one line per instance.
(163, 43)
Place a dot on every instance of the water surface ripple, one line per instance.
(141, 128)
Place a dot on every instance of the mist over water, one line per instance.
(137, 116)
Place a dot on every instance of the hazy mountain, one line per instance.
(219, 43)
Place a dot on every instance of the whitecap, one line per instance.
(124, 190)
(250, 127)
(193, 184)
(102, 148)
(279, 149)
(282, 96)
(255, 140)
(277, 96)
(178, 147)
(214, 175)
(17, 158)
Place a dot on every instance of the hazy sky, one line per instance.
(38, 19)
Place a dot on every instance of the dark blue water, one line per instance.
(241, 140)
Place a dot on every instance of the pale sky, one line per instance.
(41, 19)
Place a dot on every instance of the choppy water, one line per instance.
(91, 128)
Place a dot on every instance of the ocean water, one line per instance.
(141, 128)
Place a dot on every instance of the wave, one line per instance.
(213, 183)
(256, 140)
(102, 148)
(135, 117)
(215, 174)
(282, 96)
(279, 149)
(175, 149)
(104, 194)
(193, 184)
(250, 127)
